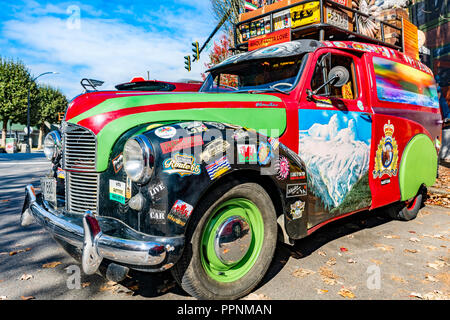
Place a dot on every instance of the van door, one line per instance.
(335, 130)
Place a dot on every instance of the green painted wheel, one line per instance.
(212, 263)
(230, 242)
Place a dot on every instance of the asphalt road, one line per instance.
(366, 256)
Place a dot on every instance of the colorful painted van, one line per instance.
(278, 142)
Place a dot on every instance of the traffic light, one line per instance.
(196, 51)
(187, 63)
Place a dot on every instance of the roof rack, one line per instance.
(322, 20)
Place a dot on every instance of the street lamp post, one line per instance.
(28, 109)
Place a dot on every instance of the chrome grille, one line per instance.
(82, 192)
(80, 146)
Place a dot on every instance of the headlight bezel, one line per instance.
(148, 159)
(56, 145)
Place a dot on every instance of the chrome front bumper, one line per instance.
(103, 237)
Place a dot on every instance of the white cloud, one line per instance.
(111, 50)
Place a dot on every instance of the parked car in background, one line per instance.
(140, 84)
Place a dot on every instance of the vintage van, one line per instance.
(278, 142)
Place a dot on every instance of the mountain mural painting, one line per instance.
(335, 147)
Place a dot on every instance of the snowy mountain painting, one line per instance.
(335, 147)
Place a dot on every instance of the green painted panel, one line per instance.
(268, 121)
(418, 166)
(146, 100)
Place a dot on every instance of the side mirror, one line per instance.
(338, 76)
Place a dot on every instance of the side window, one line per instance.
(324, 64)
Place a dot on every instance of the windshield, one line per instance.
(259, 75)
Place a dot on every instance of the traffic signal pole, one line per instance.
(219, 25)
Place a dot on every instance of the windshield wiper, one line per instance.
(271, 88)
(278, 90)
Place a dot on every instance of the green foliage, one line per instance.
(15, 80)
(50, 101)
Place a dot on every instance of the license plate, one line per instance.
(337, 18)
(48, 187)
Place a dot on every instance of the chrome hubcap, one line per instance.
(232, 240)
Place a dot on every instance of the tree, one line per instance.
(220, 9)
(50, 102)
(219, 53)
(15, 79)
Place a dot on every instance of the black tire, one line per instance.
(406, 211)
(189, 272)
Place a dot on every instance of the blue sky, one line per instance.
(112, 41)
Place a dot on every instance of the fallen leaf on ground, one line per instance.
(323, 254)
(410, 251)
(346, 293)
(331, 262)
(436, 295)
(254, 296)
(411, 231)
(437, 264)
(351, 261)
(414, 240)
(383, 247)
(343, 249)
(328, 276)
(26, 277)
(321, 291)
(431, 248)
(27, 298)
(377, 262)
(392, 237)
(415, 295)
(300, 272)
(12, 253)
(85, 284)
(430, 278)
(398, 279)
(51, 264)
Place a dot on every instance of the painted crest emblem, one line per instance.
(386, 157)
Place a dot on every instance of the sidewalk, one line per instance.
(439, 193)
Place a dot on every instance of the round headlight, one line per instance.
(138, 159)
(52, 145)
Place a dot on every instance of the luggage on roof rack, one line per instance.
(334, 20)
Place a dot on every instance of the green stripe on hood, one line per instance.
(115, 104)
(268, 121)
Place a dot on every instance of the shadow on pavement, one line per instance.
(332, 231)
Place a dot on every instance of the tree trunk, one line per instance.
(5, 126)
(41, 135)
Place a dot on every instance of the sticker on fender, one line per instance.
(117, 191)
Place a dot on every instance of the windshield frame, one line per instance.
(216, 72)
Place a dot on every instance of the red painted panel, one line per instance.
(404, 131)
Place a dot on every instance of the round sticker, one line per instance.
(166, 132)
(264, 153)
